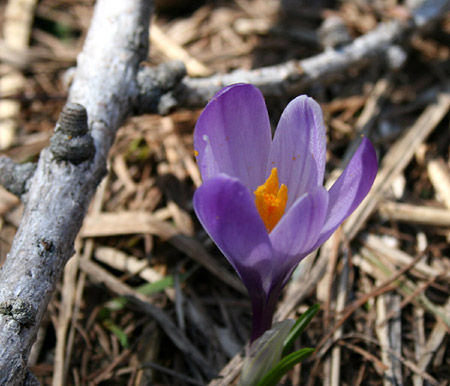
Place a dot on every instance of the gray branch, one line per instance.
(293, 77)
(67, 175)
(156, 87)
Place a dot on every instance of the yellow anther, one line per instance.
(271, 201)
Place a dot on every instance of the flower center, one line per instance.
(271, 201)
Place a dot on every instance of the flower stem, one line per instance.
(262, 314)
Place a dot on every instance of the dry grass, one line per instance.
(148, 297)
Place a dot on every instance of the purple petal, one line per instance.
(350, 188)
(227, 211)
(299, 147)
(208, 165)
(298, 230)
(233, 133)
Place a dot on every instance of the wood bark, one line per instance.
(60, 190)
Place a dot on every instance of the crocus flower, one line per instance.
(262, 201)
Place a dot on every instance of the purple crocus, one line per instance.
(262, 201)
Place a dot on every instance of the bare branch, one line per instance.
(66, 176)
(292, 77)
(295, 76)
(156, 87)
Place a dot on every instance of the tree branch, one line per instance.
(294, 76)
(66, 176)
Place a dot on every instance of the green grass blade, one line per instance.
(117, 331)
(299, 326)
(282, 367)
(147, 289)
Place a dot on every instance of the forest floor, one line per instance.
(382, 281)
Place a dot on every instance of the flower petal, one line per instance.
(298, 230)
(350, 188)
(236, 128)
(227, 211)
(299, 147)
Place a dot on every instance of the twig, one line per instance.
(17, 23)
(382, 331)
(407, 363)
(61, 190)
(230, 371)
(435, 339)
(370, 113)
(398, 257)
(173, 51)
(379, 366)
(398, 158)
(385, 286)
(395, 311)
(142, 304)
(439, 175)
(107, 224)
(405, 286)
(415, 214)
(296, 75)
(65, 316)
(172, 373)
(340, 304)
(87, 253)
(131, 265)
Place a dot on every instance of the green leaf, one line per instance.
(264, 353)
(299, 326)
(117, 331)
(282, 367)
(157, 286)
(146, 289)
(116, 304)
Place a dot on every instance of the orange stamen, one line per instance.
(271, 201)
